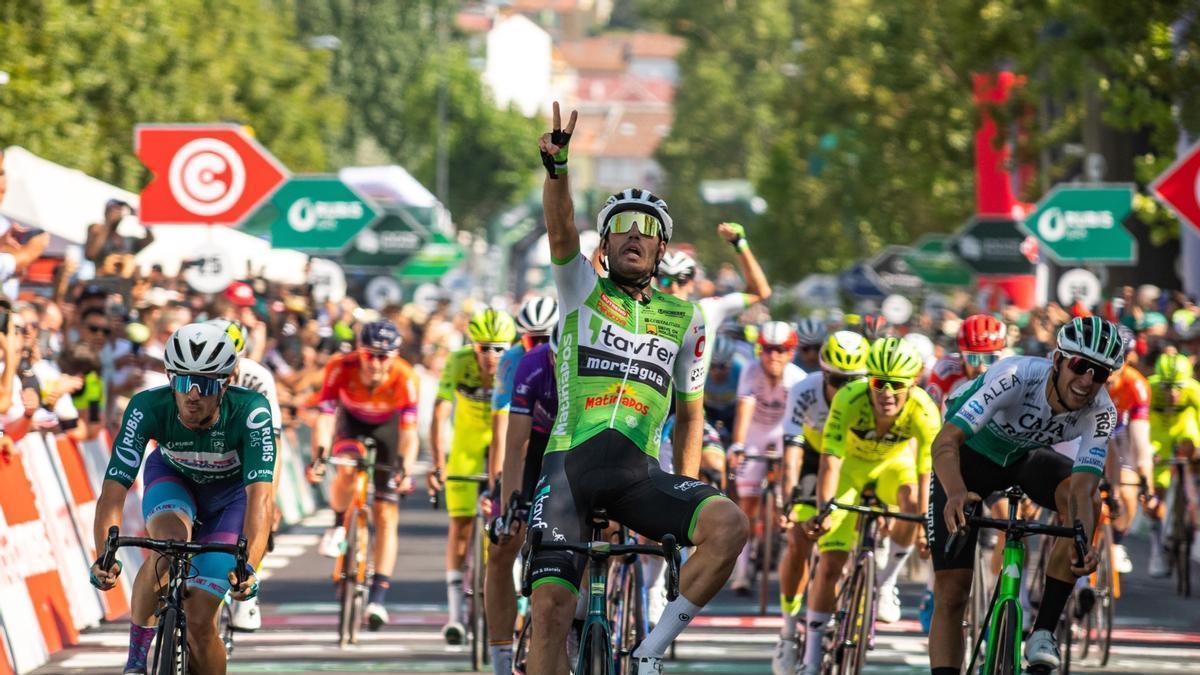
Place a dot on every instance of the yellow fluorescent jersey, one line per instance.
(1169, 423)
(462, 384)
(850, 430)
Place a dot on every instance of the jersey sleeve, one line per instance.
(833, 440)
(574, 280)
(129, 444)
(691, 369)
(793, 417)
(450, 375)
(927, 422)
(745, 387)
(506, 373)
(258, 441)
(407, 395)
(524, 394)
(999, 388)
(717, 309)
(1094, 431)
(326, 397)
(1139, 408)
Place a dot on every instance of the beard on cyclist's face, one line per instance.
(633, 255)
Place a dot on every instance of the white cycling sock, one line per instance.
(454, 595)
(789, 626)
(1156, 528)
(892, 570)
(676, 617)
(742, 570)
(813, 642)
(502, 656)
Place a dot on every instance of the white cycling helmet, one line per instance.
(810, 331)
(638, 200)
(677, 264)
(201, 349)
(777, 334)
(1095, 339)
(537, 316)
(923, 345)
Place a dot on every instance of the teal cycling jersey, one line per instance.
(506, 375)
(240, 444)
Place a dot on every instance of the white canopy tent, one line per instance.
(65, 201)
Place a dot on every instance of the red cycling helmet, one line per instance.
(981, 333)
(778, 334)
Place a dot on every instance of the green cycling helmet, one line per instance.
(894, 358)
(845, 353)
(492, 326)
(1173, 367)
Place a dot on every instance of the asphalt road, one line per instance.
(1157, 631)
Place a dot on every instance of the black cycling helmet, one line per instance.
(379, 336)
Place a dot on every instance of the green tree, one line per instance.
(84, 74)
(392, 64)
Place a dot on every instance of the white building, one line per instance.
(518, 66)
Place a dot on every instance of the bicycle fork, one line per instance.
(596, 619)
(1007, 591)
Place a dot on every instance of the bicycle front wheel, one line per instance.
(1006, 653)
(861, 617)
(631, 628)
(353, 561)
(170, 655)
(475, 606)
(766, 560)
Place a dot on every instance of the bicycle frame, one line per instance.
(597, 615)
(1008, 590)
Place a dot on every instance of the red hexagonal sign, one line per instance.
(204, 174)
(1179, 187)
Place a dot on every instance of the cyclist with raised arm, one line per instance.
(843, 360)
(1174, 429)
(874, 426)
(368, 393)
(214, 463)
(624, 348)
(998, 434)
(254, 376)
(465, 390)
(758, 426)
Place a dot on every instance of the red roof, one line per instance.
(622, 131)
(609, 88)
(594, 55)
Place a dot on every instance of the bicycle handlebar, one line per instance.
(958, 540)
(832, 506)
(364, 465)
(599, 551)
(173, 547)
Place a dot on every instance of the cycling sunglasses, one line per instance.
(775, 349)
(531, 341)
(839, 381)
(647, 224)
(887, 384)
(975, 360)
(377, 356)
(1080, 366)
(666, 280)
(206, 386)
(495, 349)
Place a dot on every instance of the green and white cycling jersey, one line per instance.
(239, 445)
(618, 359)
(1005, 414)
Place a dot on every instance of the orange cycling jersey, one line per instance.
(1130, 393)
(343, 384)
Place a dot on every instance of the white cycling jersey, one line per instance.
(255, 376)
(1005, 414)
(806, 409)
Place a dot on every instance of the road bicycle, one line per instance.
(1004, 616)
(853, 630)
(1180, 524)
(767, 537)
(353, 569)
(171, 649)
(600, 651)
(476, 565)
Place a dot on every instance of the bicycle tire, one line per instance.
(1065, 634)
(595, 655)
(479, 655)
(864, 602)
(767, 509)
(1107, 610)
(1184, 561)
(632, 628)
(348, 583)
(168, 660)
(225, 628)
(1007, 661)
(521, 649)
(977, 605)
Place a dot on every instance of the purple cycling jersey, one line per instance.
(534, 393)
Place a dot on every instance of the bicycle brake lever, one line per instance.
(1080, 544)
(239, 569)
(110, 549)
(671, 553)
(958, 540)
(535, 541)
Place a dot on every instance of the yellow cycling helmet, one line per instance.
(1173, 367)
(844, 353)
(235, 332)
(492, 326)
(894, 358)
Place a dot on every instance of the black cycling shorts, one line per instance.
(386, 435)
(1038, 474)
(608, 471)
(533, 464)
